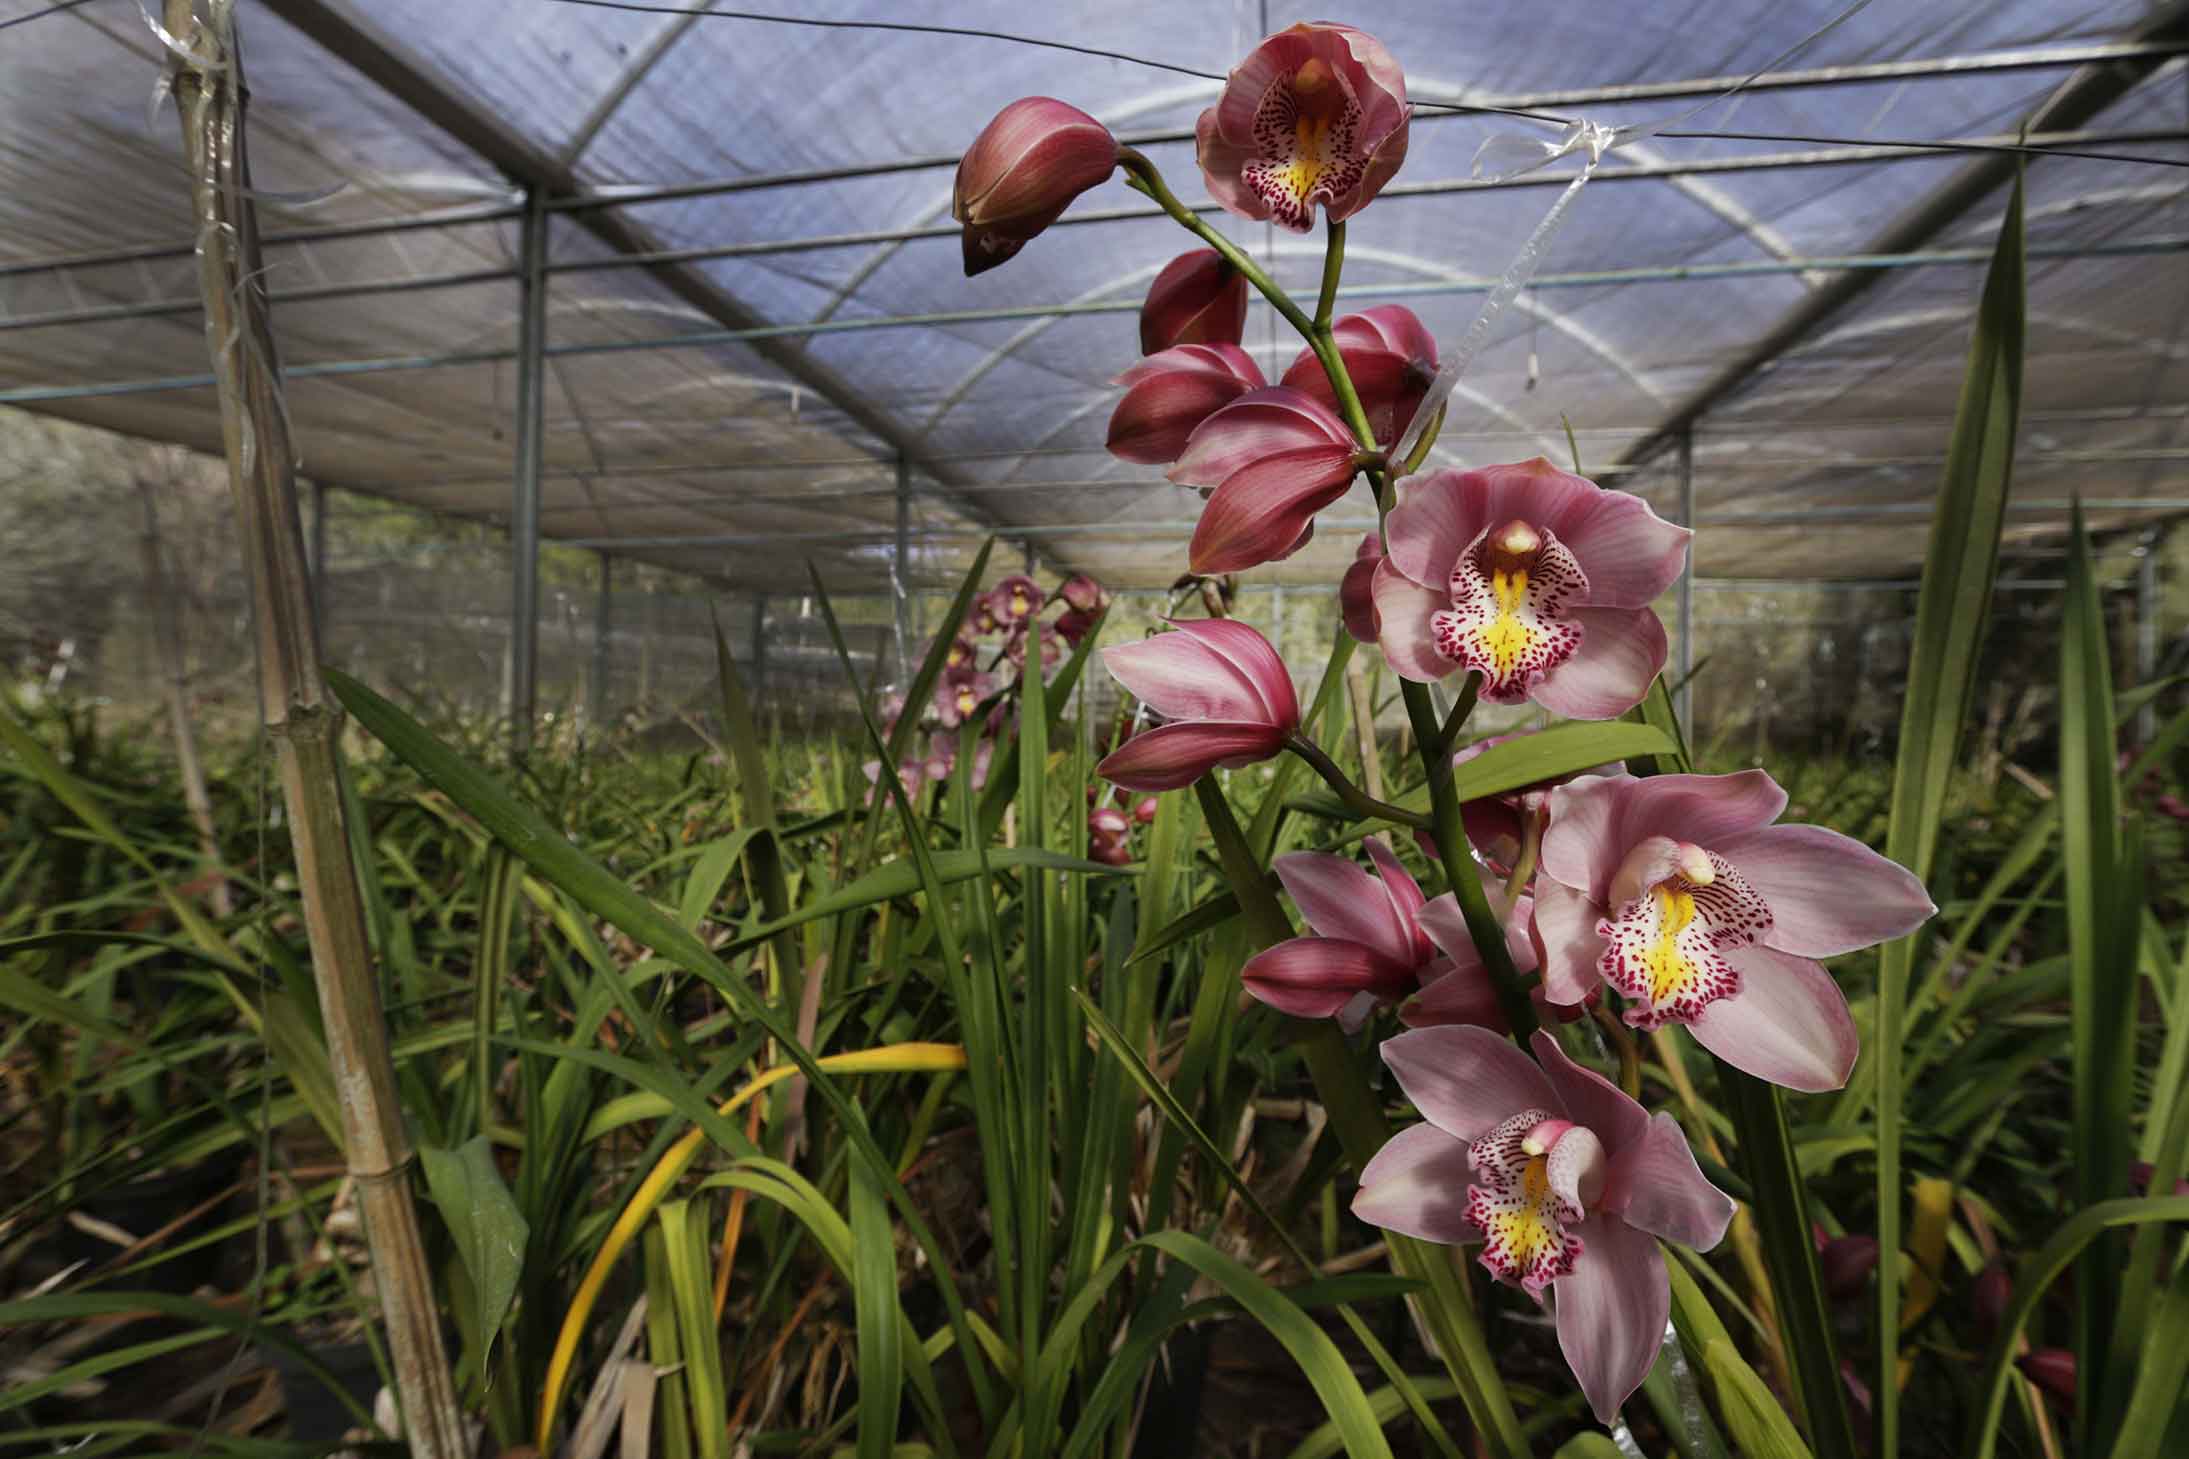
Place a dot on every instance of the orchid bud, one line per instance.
(1198, 298)
(1113, 853)
(1144, 812)
(1392, 360)
(2052, 1369)
(1275, 458)
(1074, 626)
(1168, 395)
(1022, 172)
(1356, 599)
(1989, 1295)
(1847, 1262)
(1226, 692)
(1108, 823)
(1083, 594)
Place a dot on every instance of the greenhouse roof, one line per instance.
(760, 346)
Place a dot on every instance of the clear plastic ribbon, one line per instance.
(1509, 155)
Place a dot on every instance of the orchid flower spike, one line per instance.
(1538, 579)
(1315, 115)
(1227, 694)
(1377, 941)
(1680, 893)
(1564, 1180)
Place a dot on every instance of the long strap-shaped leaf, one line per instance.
(1951, 612)
(600, 892)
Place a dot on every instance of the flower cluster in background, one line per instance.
(986, 659)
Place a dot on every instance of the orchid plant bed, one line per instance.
(939, 1092)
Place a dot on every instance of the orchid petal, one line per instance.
(1788, 1024)
(1611, 1312)
(1404, 891)
(1565, 920)
(1259, 424)
(1181, 677)
(1621, 651)
(1340, 900)
(1457, 995)
(1828, 893)
(1432, 525)
(1403, 610)
(1253, 658)
(1704, 809)
(1655, 1185)
(1590, 1099)
(1172, 756)
(1316, 977)
(1417, 1184)
(1162, 410)
(1466, 1080)
(1581, 847)
(1259, 511)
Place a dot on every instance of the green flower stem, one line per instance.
(1450, 835)
(1143, 177)
(1358, 799)
(1357, 1119)
(1461, 708)
(1326, 302)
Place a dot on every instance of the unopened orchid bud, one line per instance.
(1391, 359)
(1168, 395)
(1989, 1295)
(1022, 172)
(1356, 595)
(1227, 693)
(1108, 823)
(1847, 1262)
(2052, 1369)
(1145, 811)
(1113, 853)
(1198, 298)
(1083, 594)
(1275, 458)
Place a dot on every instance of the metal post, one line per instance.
(2147, 629)
(319, 556)
(1686, 703)
(524, 515)
(603, 630)
(897, 570)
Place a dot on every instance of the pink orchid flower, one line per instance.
(1316, 115)
(1356, 590)
(1538, 579)
(1015, 600)
(961, 654)
(1392, 360)
(960, 693)
(1563, 1178)
(1227, 694)
(1083, 594)
(1377, 941)
(1022, 172)
(1274, 458)
(1168, 395)
(1680, 893)
(1198, 298)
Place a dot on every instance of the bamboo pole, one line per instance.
(302, 721)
